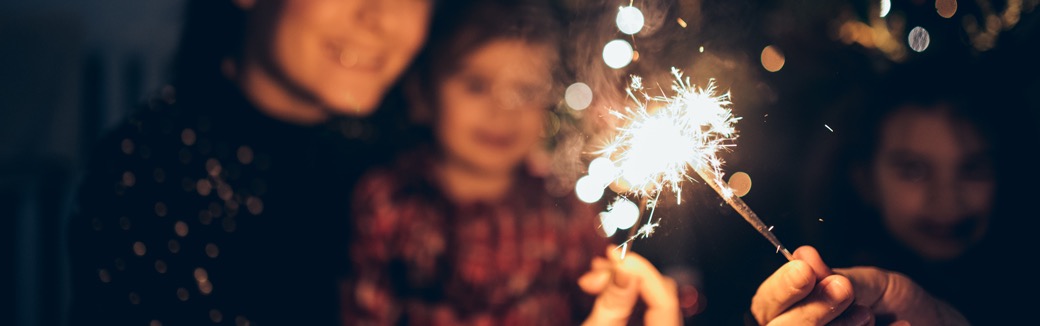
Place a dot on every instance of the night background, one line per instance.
(69, 70)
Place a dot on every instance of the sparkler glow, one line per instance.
(662, 138)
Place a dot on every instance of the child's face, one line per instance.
(340, 54)
(934, 181)
(493, 109)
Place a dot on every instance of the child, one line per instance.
(460, 232)
(926, 187)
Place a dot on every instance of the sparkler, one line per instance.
(665, 137)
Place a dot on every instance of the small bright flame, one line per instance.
(665, 136)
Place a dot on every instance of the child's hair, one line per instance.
(450, 42)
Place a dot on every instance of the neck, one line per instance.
(274, 96)
(466, 184)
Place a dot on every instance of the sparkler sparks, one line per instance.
(665, 137)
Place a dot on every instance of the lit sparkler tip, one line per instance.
(662, 137)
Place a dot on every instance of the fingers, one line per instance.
(660, 293)
(809, 255)
(614, 303)
(791, 283)
(826, 302)
(663, 308)
(619, 283)
(856, 315)
(894, 295)
(597, 278)
(655, 289)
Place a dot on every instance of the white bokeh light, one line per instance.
(886, 5)
(623, 214)
(602, 169)
(588, 189)
(617, 54)
(918, 39)
(578, 96)
(606, 221)
(630, 20)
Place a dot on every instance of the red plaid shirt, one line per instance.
(420, 259)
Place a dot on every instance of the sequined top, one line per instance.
(421, 259)
(203, 211)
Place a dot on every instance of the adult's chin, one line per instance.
(354, 103)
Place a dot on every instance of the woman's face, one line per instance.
(492, 110)
(934, 180)
(337, 55)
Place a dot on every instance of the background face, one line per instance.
(934, 181)
(492, 110)
(342, 54)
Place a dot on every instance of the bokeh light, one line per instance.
(918, 39)
(946, 8)
(886, 6)
(740, 183)
(578, 96)
(630, 20)
(772, 59)
(622, 214)
(606, 222)
(602, 169)
(588, 189)
(617, 54)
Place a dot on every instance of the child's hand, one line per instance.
(807, 291)
(617, 285)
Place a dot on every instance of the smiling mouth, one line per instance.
(959, 232)
(496, 141)
(353, 59)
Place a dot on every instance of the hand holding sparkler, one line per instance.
(663, 137)
(618, 284)
(807, 290)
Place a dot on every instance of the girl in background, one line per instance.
(461, 231)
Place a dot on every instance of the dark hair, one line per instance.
(213, 30)
(451, 41)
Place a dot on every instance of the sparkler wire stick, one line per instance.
(742, 208)
(646, 229)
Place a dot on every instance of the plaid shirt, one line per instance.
(421, 259)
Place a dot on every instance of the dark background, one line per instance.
(71, 69)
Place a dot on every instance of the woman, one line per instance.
(222, 200)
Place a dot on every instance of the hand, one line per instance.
(894, 296)
(617, 285)
(853, 296)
